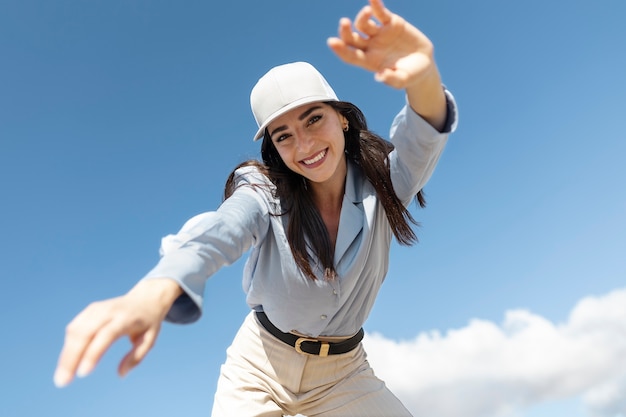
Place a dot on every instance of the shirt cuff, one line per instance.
(452, 112)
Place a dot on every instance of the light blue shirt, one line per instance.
(271, 279)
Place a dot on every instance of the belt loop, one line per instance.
(324, 348)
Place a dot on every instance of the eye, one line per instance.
(314, 119)
(281, 138)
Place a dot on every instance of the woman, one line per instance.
(319, 214)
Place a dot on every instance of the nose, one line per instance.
(304, 142)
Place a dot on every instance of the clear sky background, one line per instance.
(119, 120)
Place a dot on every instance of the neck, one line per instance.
(329, 194)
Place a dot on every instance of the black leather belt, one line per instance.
(311, 346)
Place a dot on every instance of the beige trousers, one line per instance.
(264, 377)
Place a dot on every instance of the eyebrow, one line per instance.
(303, 116)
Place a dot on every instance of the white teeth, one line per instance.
(315, 159)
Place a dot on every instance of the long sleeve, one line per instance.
(210, 241)
(418, 147)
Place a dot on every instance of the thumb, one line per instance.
(393, 77)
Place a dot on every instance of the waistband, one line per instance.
(310, 345)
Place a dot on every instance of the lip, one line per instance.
(318, 162)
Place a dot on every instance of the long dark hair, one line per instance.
(366, 150)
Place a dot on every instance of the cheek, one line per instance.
(281, 153)
(340, 142)
(286, 156)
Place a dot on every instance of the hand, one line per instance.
(396, 51)
(138, 315)
(399, 54)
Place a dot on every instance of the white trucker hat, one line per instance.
(284, 88)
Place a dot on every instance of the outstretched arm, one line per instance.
(399, 54)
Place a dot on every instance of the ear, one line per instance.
(344, 122)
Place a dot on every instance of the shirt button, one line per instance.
(335, 292)
(323, 317)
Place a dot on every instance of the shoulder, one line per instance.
(250, 175)
(250, 180)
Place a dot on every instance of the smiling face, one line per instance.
(310, 141)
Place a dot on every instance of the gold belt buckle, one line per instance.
(325, 346)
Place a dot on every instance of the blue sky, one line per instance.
(119, 120)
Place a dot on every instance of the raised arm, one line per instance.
(399, 54)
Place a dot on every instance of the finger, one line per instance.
(346, 53)
(380, 12)
(368, 27)
(70, 357)
(364, 23)
(392, 77)
(78, 335)
(347, 35)
(101, 342)
(141, 346)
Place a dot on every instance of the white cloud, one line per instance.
(488, 370)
